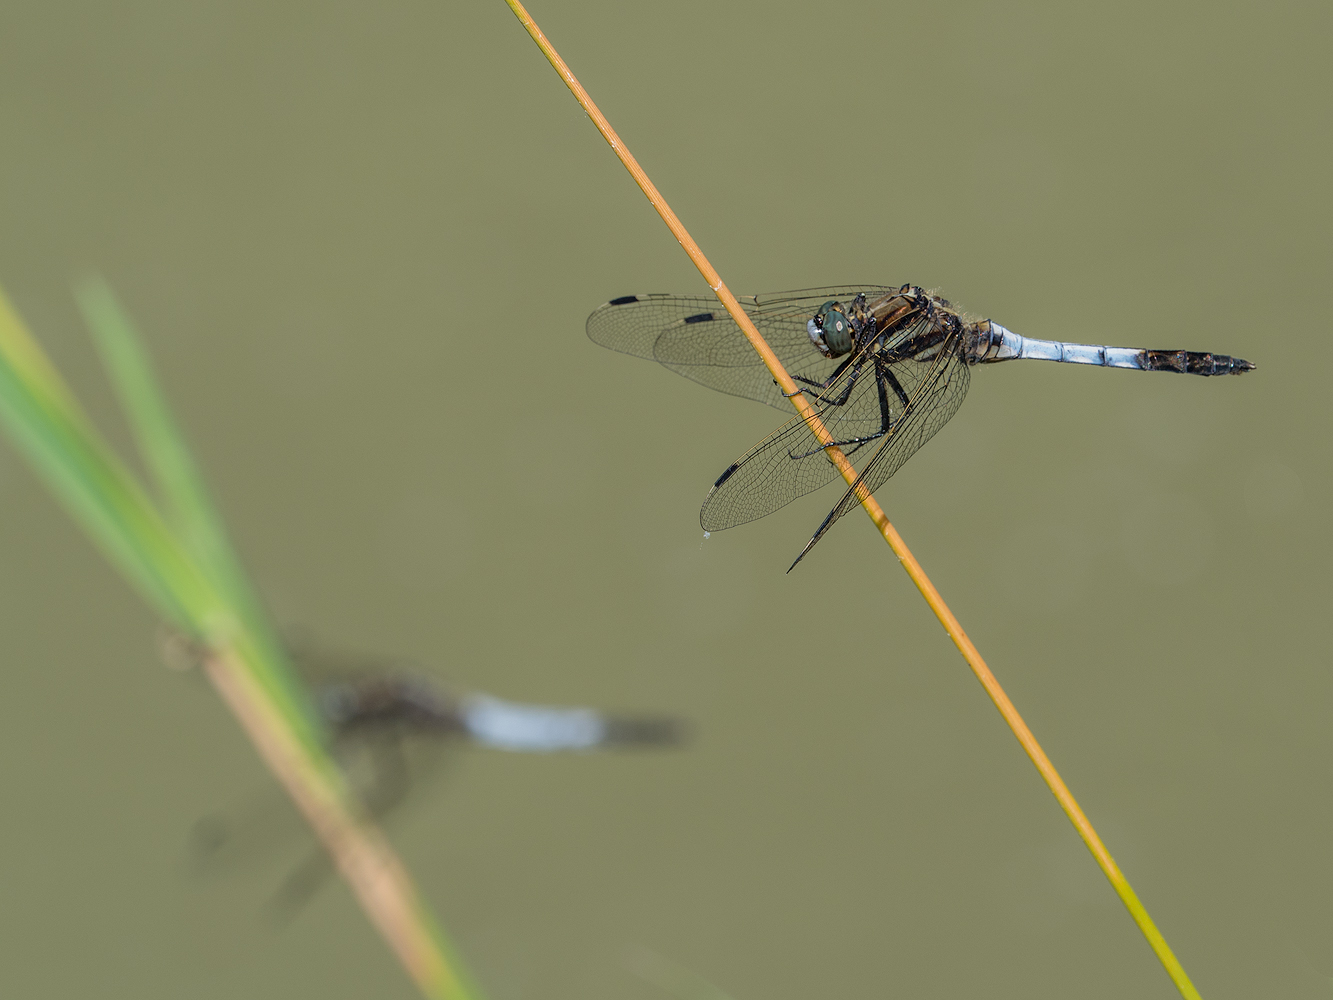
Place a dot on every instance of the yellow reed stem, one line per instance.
(918, 575)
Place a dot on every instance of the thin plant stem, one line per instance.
(909, 562)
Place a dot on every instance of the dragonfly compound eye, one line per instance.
(831, 331)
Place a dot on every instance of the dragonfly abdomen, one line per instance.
(508, 725)
(1000, 344)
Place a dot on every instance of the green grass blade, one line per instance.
(48, 426)
(181, 488)
(117, 513)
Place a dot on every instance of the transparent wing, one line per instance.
(693, 336)
(790, 463)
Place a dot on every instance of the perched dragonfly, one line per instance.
(385, 725)
(884, 368)
(402, 704)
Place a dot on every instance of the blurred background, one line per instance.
(362, 242)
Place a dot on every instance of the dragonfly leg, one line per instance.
(846, 393)
(852, 378)
(884, 378)
(808, 382)
(848, 447)
(821, 386)
(897, 386)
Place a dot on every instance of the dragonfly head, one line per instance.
(831, 331)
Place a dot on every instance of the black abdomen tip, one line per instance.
(1194, 363)
(645, 732)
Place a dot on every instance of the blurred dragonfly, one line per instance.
(386, 724)
(385, 700)
(884, 368)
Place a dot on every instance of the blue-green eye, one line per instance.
(831, 331)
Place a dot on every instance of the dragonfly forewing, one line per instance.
(694, 336)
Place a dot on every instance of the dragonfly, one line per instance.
(385, 725)
(883, 368)
(399, 704)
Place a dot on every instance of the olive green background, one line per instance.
(362, 241)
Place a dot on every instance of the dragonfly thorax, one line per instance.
(831, 330)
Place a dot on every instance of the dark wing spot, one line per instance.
(699, 318)
(624, 300)
(726, 475)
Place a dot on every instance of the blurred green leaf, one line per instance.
(185, 498)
